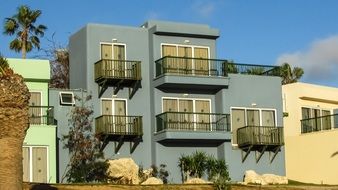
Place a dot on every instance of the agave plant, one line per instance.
(14, 99)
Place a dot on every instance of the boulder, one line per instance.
(274, 179)
(124, 171)
(251, 177)
(152, 181)
(195, 181)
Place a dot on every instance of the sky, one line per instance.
(303, 33)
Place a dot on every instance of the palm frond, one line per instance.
(16, 45)
(10, 26)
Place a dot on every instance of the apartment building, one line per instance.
(311, 134)
(39, 147)
(159, 91)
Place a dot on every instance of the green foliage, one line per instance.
(86, 160)
(231, 67)
(160, 173)
(222, 184)
(22, 25)
(198, 164)
(3, 65)
(290, 75)
(255, 71)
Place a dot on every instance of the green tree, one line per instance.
(290, 75)
(22, 25)
(14, 122)
(87, 163)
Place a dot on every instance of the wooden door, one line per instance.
(120, 116)
(119, 57)
(170, 105)
(25, 164)
(238, 121)
(170, 64)
(268, 118)
(107, 113)
(201, 65)
(185, 62)
(253, 118)
(202, 108)
(106, 57)
(186, 116)
(39, 164)
(35, 114)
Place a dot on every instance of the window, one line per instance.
(115, 111)
(198, 66)
(186, 105)
(35, 168)
(35, 111)
(190, 114)
(241, 117)
(67, 98)
(315, 119)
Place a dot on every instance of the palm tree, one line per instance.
(290, 75)
(27, 34)
(14, 99)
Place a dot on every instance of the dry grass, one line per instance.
(33, 186)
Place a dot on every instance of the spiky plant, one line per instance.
(14, 99)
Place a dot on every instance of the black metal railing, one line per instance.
(184, 121)
(117, 69)
(327, 122)
(118, 125)
(41, 115)
(260, 135)
(209, 67)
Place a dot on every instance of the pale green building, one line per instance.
(39, 149)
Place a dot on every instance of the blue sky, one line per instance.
(301, 32)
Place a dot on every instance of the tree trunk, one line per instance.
(10, 172)
(14, 122)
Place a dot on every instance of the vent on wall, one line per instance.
(67, 98)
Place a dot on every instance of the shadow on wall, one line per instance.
(42, 187)
(334, 154)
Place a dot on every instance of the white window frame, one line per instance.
(246, 119)
(30, 150)
(67, 103)
(112, 44)
(192, 53)
(113, 108)
(193, 105)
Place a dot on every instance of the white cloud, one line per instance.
(319, 61)
(152, 15)
(204, 8)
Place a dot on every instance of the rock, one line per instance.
(196, 181)
(253, 178)
(147, 173)
(274, 179)
(265, 179)
(152, 181)
(124, 170)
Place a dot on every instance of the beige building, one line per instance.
(311, 133)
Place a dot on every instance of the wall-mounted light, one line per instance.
(114, 40)
(186, 41)
(253, 104)
(114, 95)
